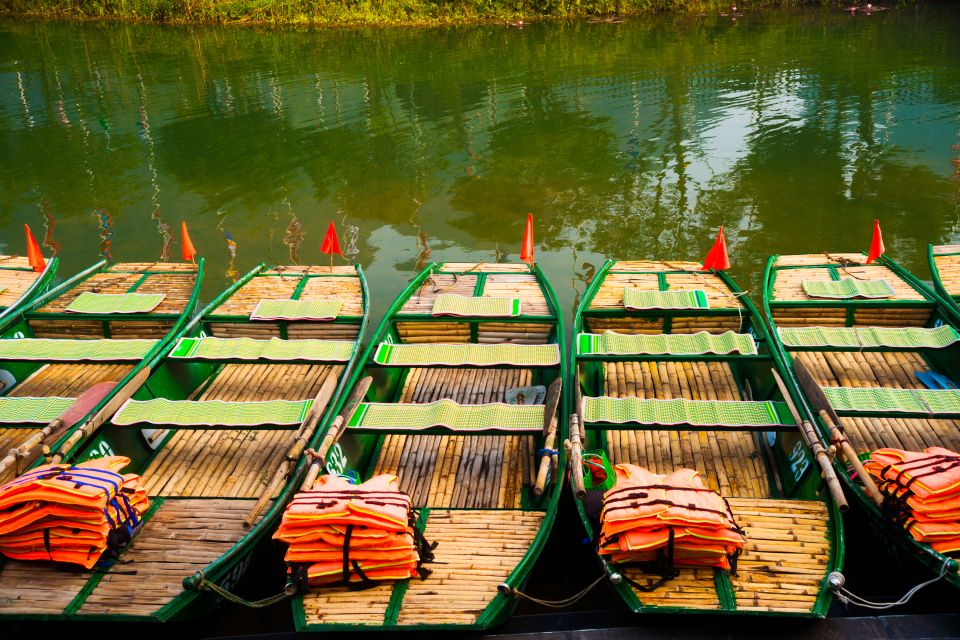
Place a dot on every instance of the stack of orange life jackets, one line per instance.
(922, 492)
(70, 513)
(343, 533)
(670, 520)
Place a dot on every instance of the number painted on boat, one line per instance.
(336, 460)
(101, 450)
(799, 462)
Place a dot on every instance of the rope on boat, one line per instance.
(507, 590)
(206, 585)
(845, 596)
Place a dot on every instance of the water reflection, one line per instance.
(631, 139)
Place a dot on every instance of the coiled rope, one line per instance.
(553, 604)
(846, 596)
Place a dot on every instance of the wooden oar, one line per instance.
(576, 457)
(73, 414)
(99, 417)
(303, 434)
(337, 429)
(550, 435)
(830, 418)
(813, 442)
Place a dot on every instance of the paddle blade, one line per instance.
(876, 243)
(34, 255)
(331, 244)
(86, 402)
(526, 250)
(812, 390)
(551, 403)
(187, 251)
(717, 257)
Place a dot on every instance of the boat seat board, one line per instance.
(47, 350)
(459, 355)
(179, 538)
(177, 288)
(731, 414)
(781, 570)
(700, 343)
(447, 415)
(454, 470)
(18, 410)
(788, 284)
(293, 310)
(857, 338)
(520, 285)
(230, 462)
(873, 399)
(476, 551)
(343, 285)
(894, 370)
(728, 461)
(274, 349)
(346, 331)
(212, 413)
(610, 295)
(447, 304)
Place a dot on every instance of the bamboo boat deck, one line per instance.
(474, 492)
(16, 278)
(945, 263)
(173, 279)
(789, 545)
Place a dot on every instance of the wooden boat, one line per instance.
(833, 340)
(473, 477)
(216, 432)
(944, 262)
(51, 360)
(627, 361)
(19, 283)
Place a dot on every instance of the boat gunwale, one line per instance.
(36, 288)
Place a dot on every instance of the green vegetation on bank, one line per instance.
(343, 12)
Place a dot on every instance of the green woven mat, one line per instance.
(448, 304)
(48, 350)
(478, 355)
(449, 414)
(213, 413)
(679, 299)
(724, 413)
(859, 337)
(272, 349)
(297, 310)
(848, 288)
(32, 410)
(882, 399)
(676, 344)
(88, 302)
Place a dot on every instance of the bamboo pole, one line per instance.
(336, 430)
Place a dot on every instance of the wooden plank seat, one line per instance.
(460, 355)
(197, 414)
(65, 350)
(785, 560)
(677, 412)
(611, 343)
(178, 538)
(26, 410)
(269, 350)
(881, 400)
(476, 551)
(867, 338)
(447, 415)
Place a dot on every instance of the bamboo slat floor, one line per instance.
(729, 461)
(948, 267)
(882, 369)
(476, 551)
(301, 283)
(180, 538)
(460, 471)
(610, 294)
(13, 282)
(235, 463)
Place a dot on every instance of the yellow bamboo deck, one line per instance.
(460, 471)
(948, 267)
(14, 284)
(878, 369)
(180, 538)
(234, 463)
(781, 569)
(476, 551)
(729, 461)
(281, 283)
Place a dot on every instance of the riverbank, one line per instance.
(364, 12)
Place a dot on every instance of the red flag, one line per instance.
(34, 255)
(876, 245)
(331, 244)
(187, 250)
(526, 249)
(717, 257)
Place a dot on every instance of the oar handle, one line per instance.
(546, 460)
(18, 453)
(851, 456)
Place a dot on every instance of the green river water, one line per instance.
(631, 140)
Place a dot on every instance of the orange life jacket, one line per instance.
(932, 473)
